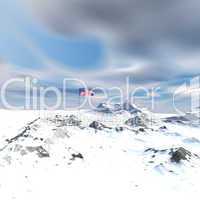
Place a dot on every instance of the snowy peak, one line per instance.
(130, 108)
(114, 108)
(105, 107)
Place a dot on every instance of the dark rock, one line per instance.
(141, 129)
(78, 155)
(163, 128)
(73, 121)
(180, 154)
(98, 126)
(70, 120)
(41, 152)
(151, 149)
(119, 129)
(151, 161)
(136, 121)
(156, 150)
(23, 133)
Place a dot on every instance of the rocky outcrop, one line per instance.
(70, 120)
(41, 152)
(116, 108)
(98, 126)
(137, 121)
(130, 108)
(78, 155)
(180, 154)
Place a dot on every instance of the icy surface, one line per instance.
(58, 155)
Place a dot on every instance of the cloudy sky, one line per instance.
(154, 42)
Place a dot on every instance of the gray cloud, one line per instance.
(129, 21)
(159, 31)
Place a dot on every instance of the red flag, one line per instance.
(83, 92)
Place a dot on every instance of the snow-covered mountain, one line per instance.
(114, 108)
(86, 155)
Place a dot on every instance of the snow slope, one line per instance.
(58, 155)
